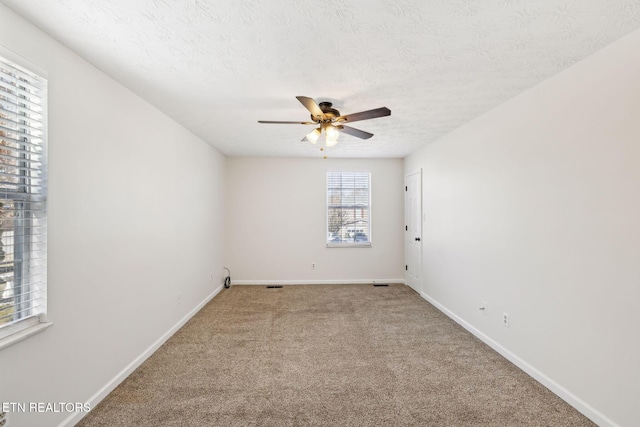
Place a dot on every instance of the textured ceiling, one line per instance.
(217, 67)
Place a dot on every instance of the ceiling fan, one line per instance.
(330, 120)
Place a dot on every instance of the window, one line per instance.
(348, 209)
(23, 268)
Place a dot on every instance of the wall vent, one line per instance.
(274, 286)
(378, 285)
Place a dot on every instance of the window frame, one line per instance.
(348, 244)
(36, 318)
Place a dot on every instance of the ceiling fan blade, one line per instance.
(285, 123)
(311, 105)
(354, 132)
(365, 115)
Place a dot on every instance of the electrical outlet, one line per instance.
(211, 276)
(483, 307)
(313, 265)
(178, 298)
(505, 319)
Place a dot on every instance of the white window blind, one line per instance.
(23, 247)
(348, 208)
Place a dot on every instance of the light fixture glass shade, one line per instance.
(331, 135)
(313, 136)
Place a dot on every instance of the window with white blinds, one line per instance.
(348, 209)
(23, 247)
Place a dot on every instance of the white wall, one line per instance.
(535, 209)
(136, 216)
(276, 227)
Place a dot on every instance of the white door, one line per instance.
(413, 229)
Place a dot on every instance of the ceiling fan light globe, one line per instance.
(332, 133)
(313, 136)
(331, 142)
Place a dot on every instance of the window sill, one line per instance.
(348, 245)
(23, 334)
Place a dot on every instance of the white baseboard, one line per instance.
(579, 404)
(316, 282)
(74, 418)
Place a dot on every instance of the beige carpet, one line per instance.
(327, 355)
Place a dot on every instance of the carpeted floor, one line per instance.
(327, 355)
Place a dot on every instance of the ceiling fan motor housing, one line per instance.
(329, 112)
